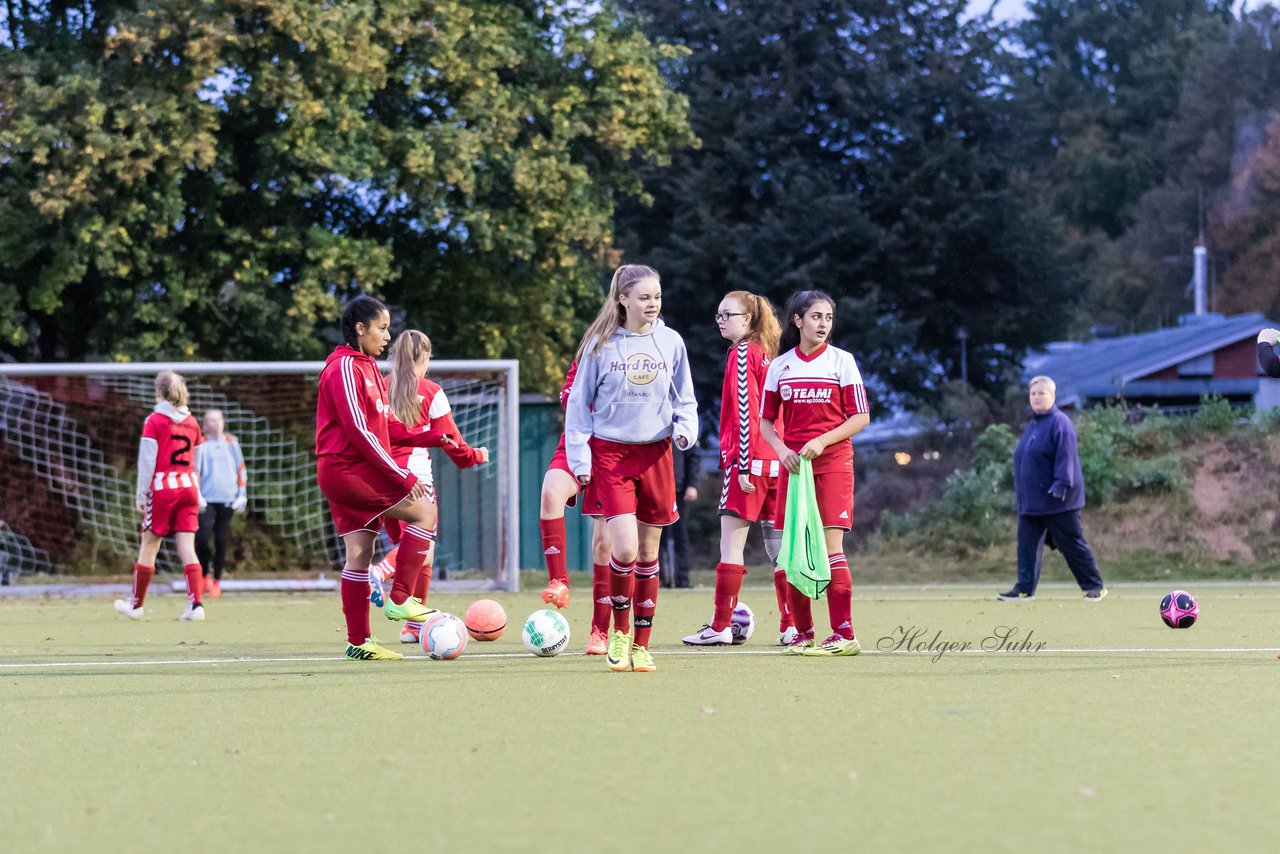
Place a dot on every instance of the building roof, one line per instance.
(1106, 366)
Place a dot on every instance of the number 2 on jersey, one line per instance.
(179, 456)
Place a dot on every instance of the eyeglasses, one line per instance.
(725, 315)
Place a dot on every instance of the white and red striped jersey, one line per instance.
(434, 413)
(177, 435)
(815, 394)
(740, 398)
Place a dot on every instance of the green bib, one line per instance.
(804, 544)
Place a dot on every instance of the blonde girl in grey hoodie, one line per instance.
(632, 397)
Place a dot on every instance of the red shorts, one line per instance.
(560, 461)
(752, 506)
(395, 528)
(355, 502)
(639, 479)
(172, 511)
(835, 497)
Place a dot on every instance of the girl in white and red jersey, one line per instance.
(750, 489)
(419, 403)
(355, 428)
(632, 394)
(168, 494)
(816, 390)
(560, 489)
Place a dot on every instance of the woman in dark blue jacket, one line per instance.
(1049, 487)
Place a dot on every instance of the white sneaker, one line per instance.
(125, 607)
(708, 636)
(788, 636)
(193, 612)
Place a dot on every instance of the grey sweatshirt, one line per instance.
(637, 389)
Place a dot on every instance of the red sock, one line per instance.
(387, 566)
(415, 546)
(800, 610)
(621, 586)
(780, 586)
(553, 546)
(141, 581)
(646, 600)
(840, 597)
(355, 604)
(424, 582)
(195, 582)
(728, 586)
(603, 606)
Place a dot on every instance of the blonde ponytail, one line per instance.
(173, 388)
(410, 348)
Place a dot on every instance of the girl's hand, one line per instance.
(745, 484)
(791, 462)
(682, 443)
(584, 479)
(482, 456)
(417, 493)
(812, 449)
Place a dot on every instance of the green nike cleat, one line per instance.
(410, 609)
(642, 660)
(370, 651)
(619, 655)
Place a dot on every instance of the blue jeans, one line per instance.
(1063, 529)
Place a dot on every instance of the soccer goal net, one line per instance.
(68, 445)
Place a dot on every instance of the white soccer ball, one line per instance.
(743, 624)
(443, 637)
(545, 633)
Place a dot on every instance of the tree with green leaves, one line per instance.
(863, 149)
(1098, 82)
(213, 179)
(1216, 153)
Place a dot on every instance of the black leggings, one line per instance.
(215, 519)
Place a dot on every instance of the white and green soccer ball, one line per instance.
(545, 633)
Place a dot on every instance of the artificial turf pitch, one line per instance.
(248, 732)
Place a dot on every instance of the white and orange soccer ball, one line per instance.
(443, 637)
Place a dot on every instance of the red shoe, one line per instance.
(213, 588)
(598, 643)
(556, 593)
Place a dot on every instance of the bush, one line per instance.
(994, 447)
(1215, 415)
(978, 504)
(1123, 453)
(1267, 421)
(1104, 437)
(1163, 474)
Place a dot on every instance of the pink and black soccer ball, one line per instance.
(1179, 609)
